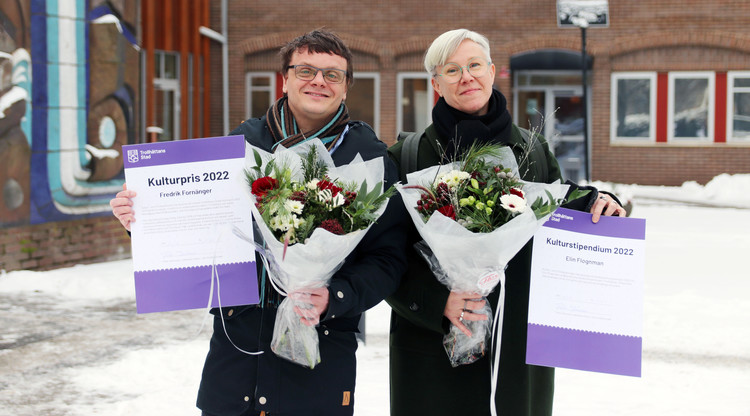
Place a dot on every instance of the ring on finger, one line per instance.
(602, 197)
(461, 318)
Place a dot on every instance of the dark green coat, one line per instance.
(422, 379)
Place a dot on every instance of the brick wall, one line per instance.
(651, 35)
(63, 244)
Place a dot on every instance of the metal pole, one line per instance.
(225, 68)
(585, 106)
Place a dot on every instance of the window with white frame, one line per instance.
(363, 99)
(167, 94)
(738, 106)
(633, 108)
(260, 93)
(414, 95)
(691, 106)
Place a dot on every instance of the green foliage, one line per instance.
(294, 208)
(483, 195)
(26, 246)
(312, 167)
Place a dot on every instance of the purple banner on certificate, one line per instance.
(580, 222)
(590, 351)
(190, 288)
(586, 294)
(192, 202)
(182, 151)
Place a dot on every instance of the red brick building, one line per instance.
(668, 95)
(668, 84)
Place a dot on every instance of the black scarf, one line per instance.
(463, 129)
(284, 129)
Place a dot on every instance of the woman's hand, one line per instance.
(122, 206)
(460, 307)
(606, 205)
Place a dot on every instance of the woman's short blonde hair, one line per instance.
(446, 44)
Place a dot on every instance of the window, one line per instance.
(633, 106)
(167, 94)
(551, 103)
(261, 93)
(415, 98)
(363, 99)
(691, 106)
(738, 106)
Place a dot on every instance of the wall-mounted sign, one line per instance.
(582, 13)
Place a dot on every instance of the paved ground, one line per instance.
(39, 339)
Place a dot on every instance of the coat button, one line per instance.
(231, 312)
(414, 307)
(262, 400)
(325, 332)
(340, 294)
(247, 399)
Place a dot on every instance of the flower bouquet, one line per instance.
(310, 219)
(474, 216)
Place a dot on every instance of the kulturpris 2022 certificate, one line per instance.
(190, 197)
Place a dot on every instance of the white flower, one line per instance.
(324, 196)
(513, 203)
(313, 184)
(452, 178)
(297, 221)
(282, 222)
(293, 206)
(337, 200)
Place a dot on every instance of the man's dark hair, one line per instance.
(318, 41)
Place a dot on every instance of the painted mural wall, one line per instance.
(69, 76)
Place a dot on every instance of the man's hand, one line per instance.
(122, 206)
(310, 304)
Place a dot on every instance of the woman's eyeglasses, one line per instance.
(452, 73)
(308, 73)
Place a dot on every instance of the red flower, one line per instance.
(448, 211)
(516, 192)
(332, 226)
(443, 193)
(350, 197)
(299, 196)
(324, 184)
(262, 186)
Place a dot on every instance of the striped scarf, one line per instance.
(285, 132)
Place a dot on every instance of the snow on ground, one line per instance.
(56, 360)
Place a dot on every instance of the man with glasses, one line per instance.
(317, 71)
(241, 375)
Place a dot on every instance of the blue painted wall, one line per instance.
(70, 98)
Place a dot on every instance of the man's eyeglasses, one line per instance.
(308, 73)
(452, 73)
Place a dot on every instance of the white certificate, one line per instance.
(190, 196)
(586, 296)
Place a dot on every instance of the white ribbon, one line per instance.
(215, 274)
(498, 323)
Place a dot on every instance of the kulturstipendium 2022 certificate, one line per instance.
(586, 297)
(190, 197)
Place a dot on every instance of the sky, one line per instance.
(72, 343)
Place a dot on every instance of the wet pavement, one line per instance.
(40, 339)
